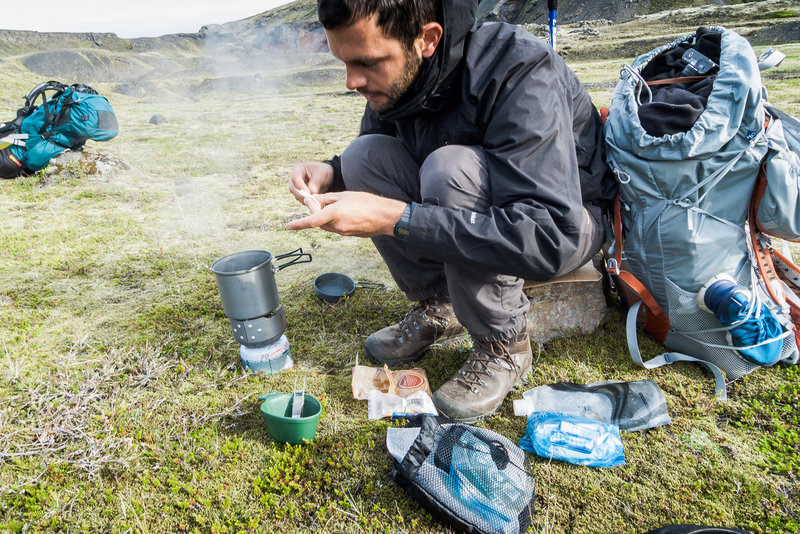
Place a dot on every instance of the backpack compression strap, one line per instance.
(789, 273)
(682, 79)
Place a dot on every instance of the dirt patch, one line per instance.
(777, 75)
(600, 85)
(318, 76)
(782, 32)
(255, 82)
(138, 88)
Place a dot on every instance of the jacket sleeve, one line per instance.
(537, 226)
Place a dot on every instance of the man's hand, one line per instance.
(353, 213)
(310, 177)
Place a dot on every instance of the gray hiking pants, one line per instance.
(489, 305)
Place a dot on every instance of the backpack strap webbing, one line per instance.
(654, 320)
(681, 79)
(668, 357)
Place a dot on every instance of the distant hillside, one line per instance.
(295, 25)
(287, 45)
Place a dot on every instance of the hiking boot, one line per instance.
(492, 369)
(428, 322)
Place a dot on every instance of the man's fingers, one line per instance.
(298, 181)
(311, 221)
(312, 203)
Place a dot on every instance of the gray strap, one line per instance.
(668, 357)
(14, 139)
(720, 173)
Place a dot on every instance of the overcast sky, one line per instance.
(127, 18)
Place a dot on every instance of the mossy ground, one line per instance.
(125, 408)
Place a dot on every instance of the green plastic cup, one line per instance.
(277, 412)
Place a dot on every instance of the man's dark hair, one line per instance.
(399, 19)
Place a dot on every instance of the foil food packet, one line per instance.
(402, 382)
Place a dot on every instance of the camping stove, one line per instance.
(246, 282)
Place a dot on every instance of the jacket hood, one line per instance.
(432, 88)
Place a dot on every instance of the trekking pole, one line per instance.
(551, 8)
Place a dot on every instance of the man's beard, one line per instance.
(411, 66)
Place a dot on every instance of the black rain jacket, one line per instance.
(499, 87)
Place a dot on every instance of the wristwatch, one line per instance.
(403, 227)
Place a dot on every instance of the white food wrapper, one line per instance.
(383, 405)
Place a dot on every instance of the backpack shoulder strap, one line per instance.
(57, 88)
(774, 280)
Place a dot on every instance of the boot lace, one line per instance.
(426, 313)
(476, 367)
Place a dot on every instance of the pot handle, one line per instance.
(297, 255)
(370, 285)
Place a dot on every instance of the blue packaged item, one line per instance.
(755, 333)
(573, 439)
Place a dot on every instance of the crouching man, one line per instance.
(478, 165)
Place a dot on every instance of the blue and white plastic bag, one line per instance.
(573, 439)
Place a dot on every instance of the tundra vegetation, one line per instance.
(124, 404)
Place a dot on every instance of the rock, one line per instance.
(584, 32)
(81, 163)
(157, 119)
(572, 304)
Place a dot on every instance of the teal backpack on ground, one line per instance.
(66, 118)
(689, 135)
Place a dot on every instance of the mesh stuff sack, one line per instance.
(472, 479)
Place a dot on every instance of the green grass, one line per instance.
(781, 14)
(125, 408)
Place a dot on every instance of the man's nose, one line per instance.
(355, 79)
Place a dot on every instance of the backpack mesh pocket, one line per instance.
(690, 331)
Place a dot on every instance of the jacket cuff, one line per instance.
(419, 224)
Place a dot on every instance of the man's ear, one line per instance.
(429, 39)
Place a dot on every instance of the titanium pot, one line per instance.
(246, 282)
(331, 287)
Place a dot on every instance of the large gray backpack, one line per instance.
(689, 137)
